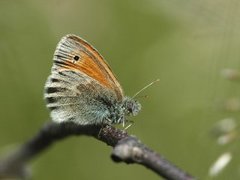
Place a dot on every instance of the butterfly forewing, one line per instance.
(75, 54)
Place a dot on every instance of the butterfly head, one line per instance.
(131, 106)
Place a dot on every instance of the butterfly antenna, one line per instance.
(143, 96)
(145, 87)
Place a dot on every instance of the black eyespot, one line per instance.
(76, 58)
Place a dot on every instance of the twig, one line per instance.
(126, 148)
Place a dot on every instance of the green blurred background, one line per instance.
(186, 44)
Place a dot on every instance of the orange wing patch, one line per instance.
(88, 67)
(77, 54)
(99, 59)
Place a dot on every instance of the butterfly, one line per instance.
(82, 87)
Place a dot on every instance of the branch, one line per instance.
(126, 148)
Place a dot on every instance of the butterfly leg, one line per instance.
(129, 125)
(106, 121)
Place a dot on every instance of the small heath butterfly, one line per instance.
(82, 87)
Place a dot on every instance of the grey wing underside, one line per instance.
(76, 97)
